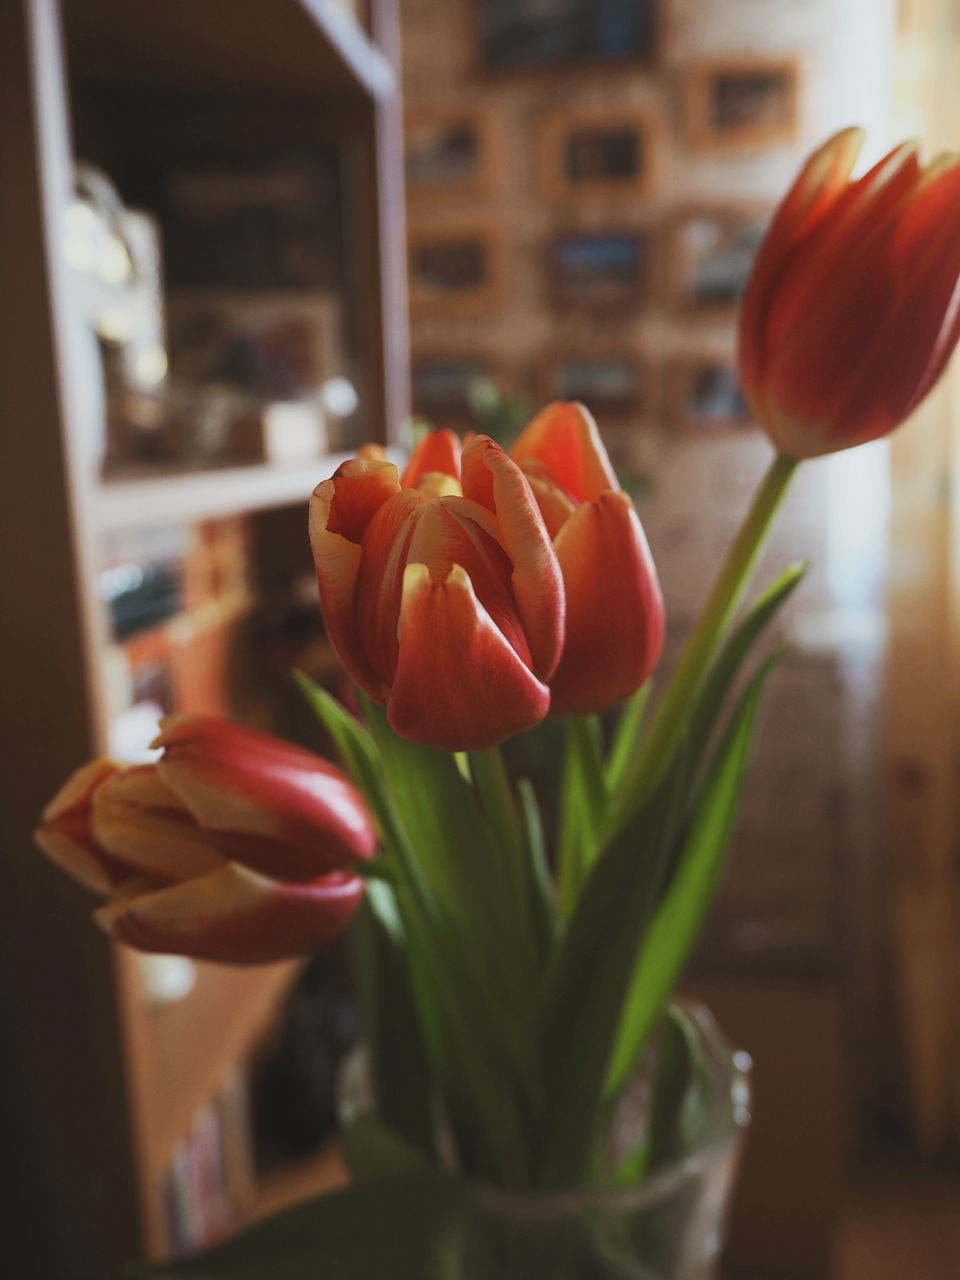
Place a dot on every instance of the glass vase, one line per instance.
(669, 1225)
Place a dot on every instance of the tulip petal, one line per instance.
(270, 805)
(64, 833)
(459, 684)
(848, 242)
(555, 507)
(340, 511)
(436, 451)
(878, 338)
(458, 531)
(80, 858)
(379, 584)
(235, 916)
(564, 439)
(494, 481)
(615, 619)
(164, 844)
(821, 182)
(78, 790)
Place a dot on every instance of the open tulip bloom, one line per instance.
(510, 991)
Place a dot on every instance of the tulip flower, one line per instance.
(441, 592)
(233, 846)
(853, 306)
(615, 620)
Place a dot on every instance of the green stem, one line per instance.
(670, 721)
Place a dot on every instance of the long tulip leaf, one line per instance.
(583, 807)
(394, 1040)
(671, 717)
(722, 676)
(350, 738)
(584, 1000)
(478, 967)
(626, 739)
(673, 933)
(461, 1011)
(501, 811)
(723, 673)
(539, 883)
(404, 1227)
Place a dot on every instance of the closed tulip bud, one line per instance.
(851, 312)
(441, 592)
(233, 846)
(615, 621)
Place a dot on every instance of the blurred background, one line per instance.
(239, 239)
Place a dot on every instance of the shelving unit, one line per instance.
(98, 1086)
(204, 495)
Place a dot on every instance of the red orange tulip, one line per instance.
(233, 846)
(441, 592)
(853, 307)
(614, 607)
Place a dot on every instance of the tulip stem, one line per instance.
(672, 714)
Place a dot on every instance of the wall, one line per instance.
(789, 882)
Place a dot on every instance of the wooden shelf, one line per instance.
(216, 46)
(134, 86)
(185, 496)
(180, 1053)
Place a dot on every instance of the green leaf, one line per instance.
(398, 1064)
(627, 738)
(725, 669)
(350, 738)
(539, 884)
(406, 1228)
(584, 999)
(471, 967)
(676, 926)
(583, 808)
(499, 805)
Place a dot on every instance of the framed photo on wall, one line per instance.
(447, 155)
(704, 394)
(746, 103)
(454, 270)
(526, 35)
(614, 384)
(441, 384)
(709, 255)
(590, 155)
(600, 270)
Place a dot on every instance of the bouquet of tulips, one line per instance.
(510, 991)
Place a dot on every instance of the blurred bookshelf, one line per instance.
(154, 553)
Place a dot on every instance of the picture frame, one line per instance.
(613, 382)
(448, 155)
(702, 393)
(709, 255)
(440, 383)
(594, 155)
(454, 270)
(741, 103)
(600, 270)
(522, 36)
